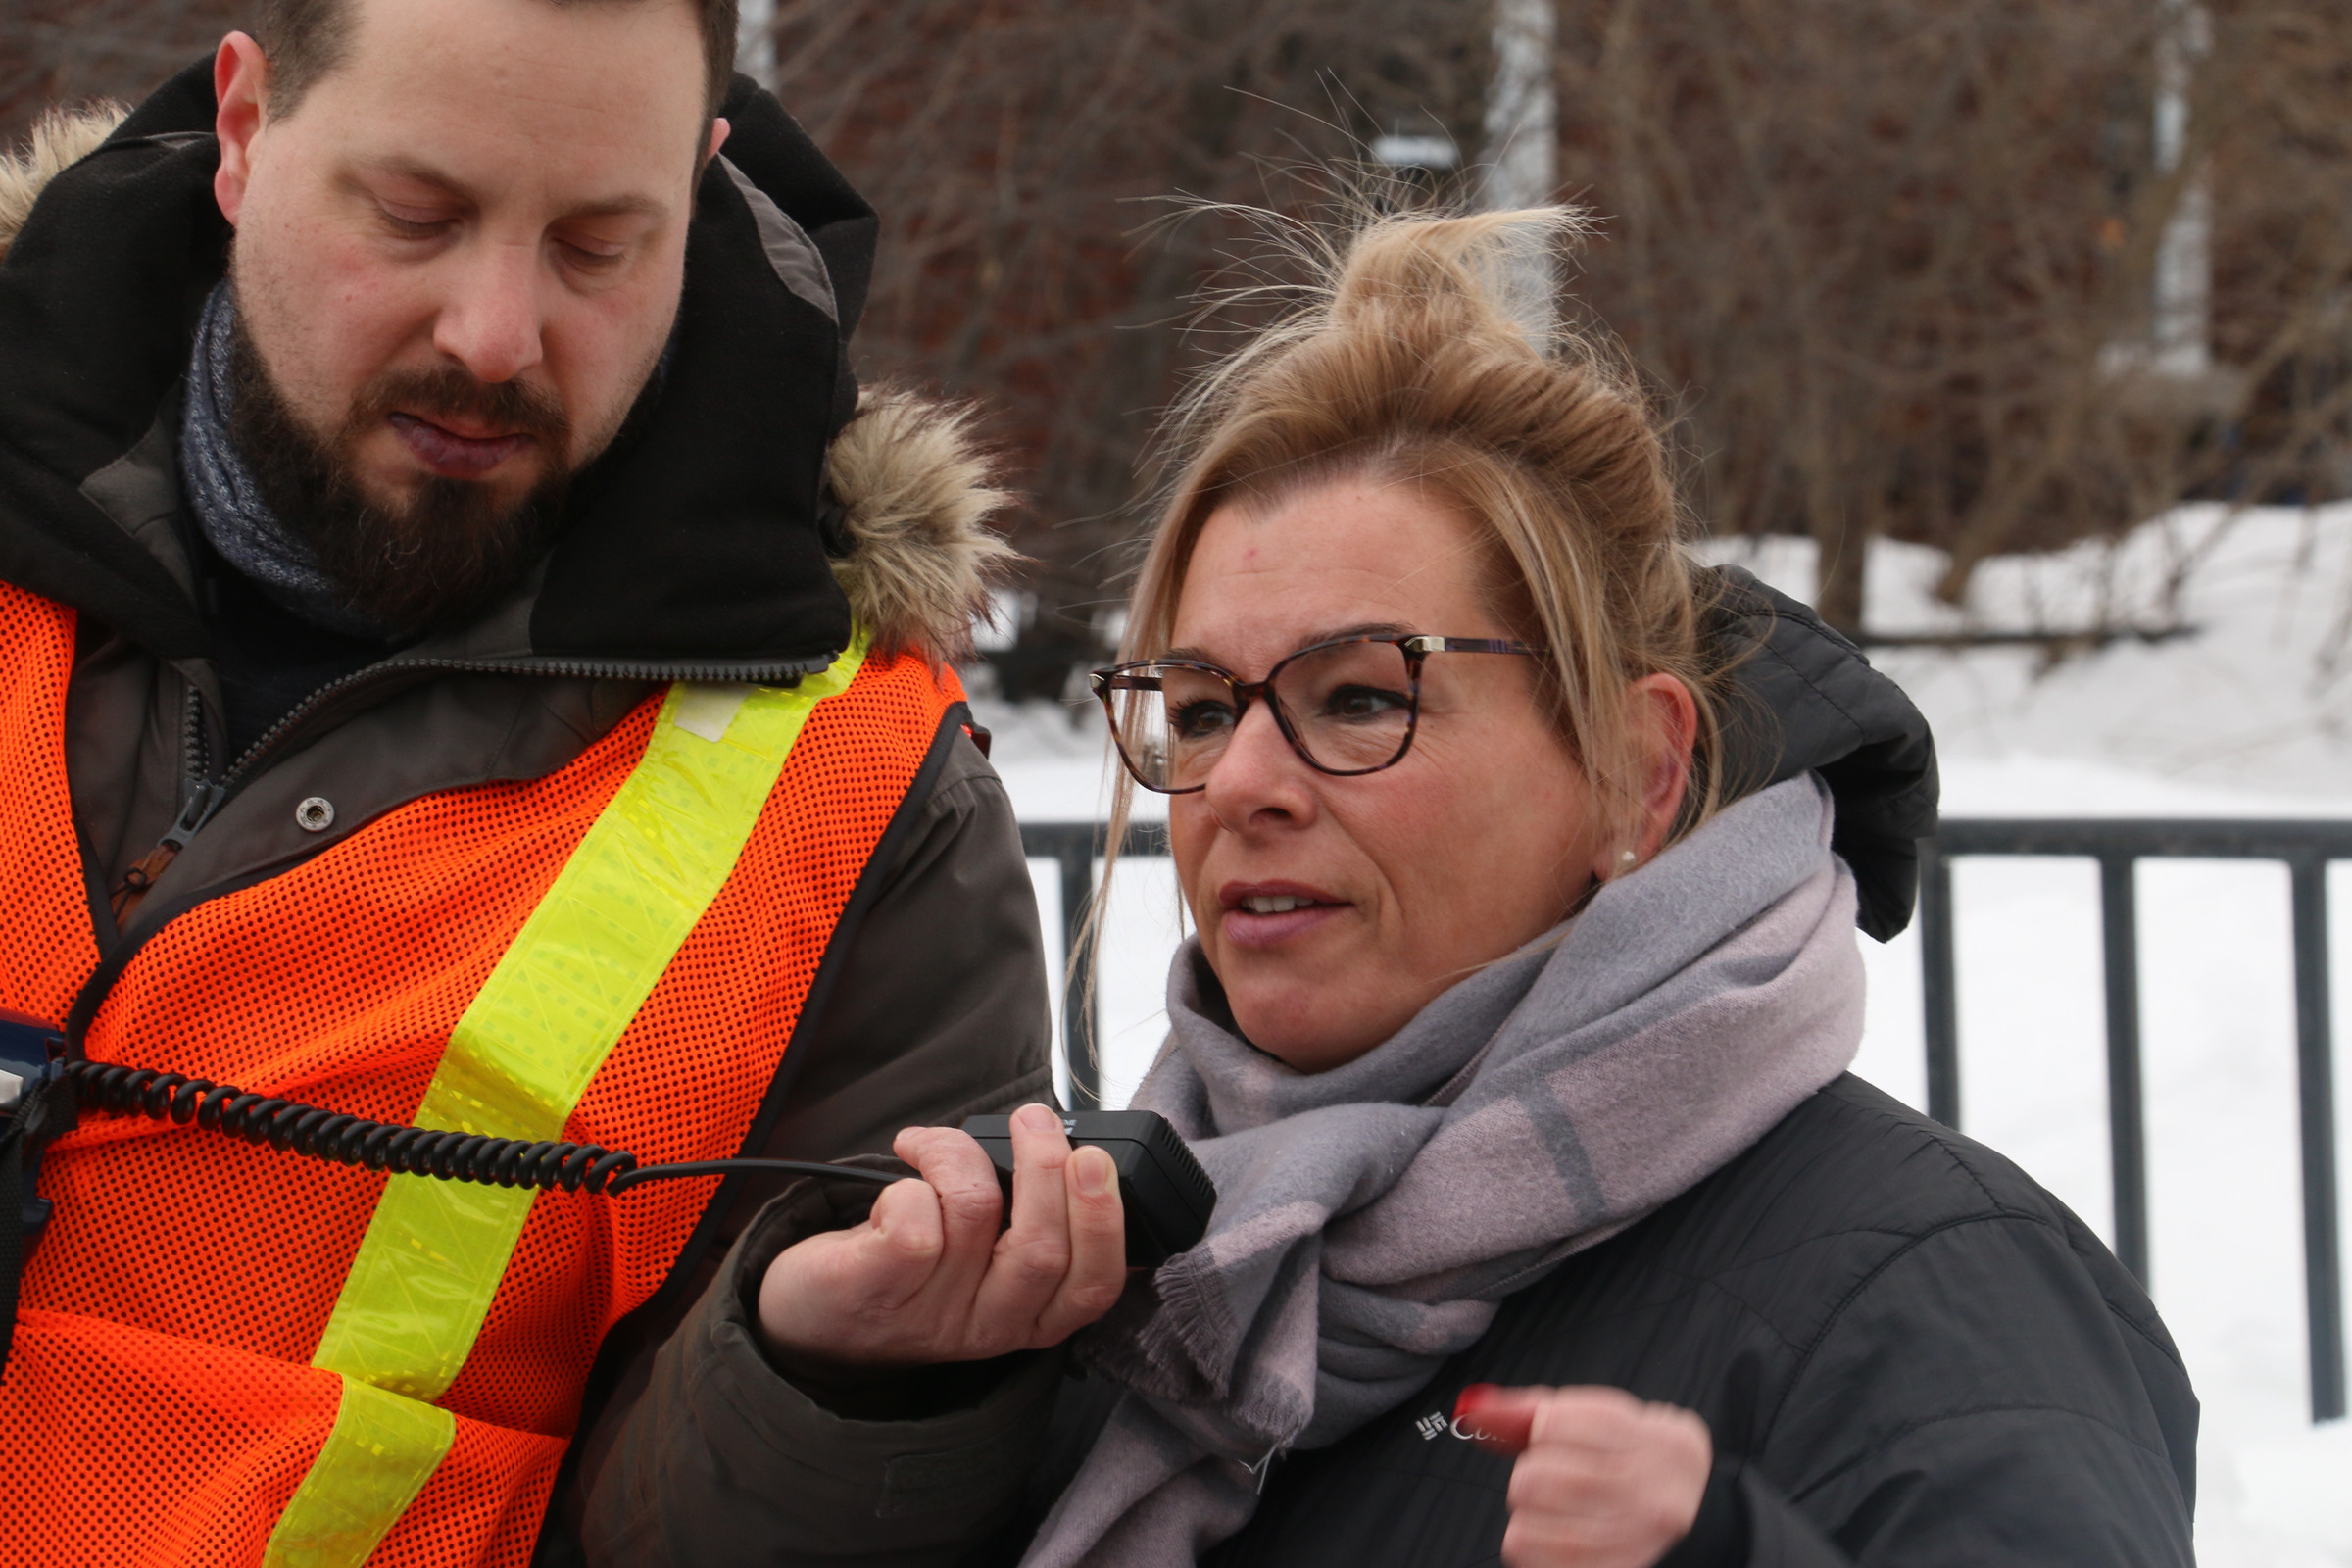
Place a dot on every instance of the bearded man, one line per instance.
(467, 663)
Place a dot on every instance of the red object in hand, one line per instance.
(1497, 1418)
(1615, 1482)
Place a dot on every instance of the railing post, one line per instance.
(1070, 846)
(1076, 853)
(2315, 1053)
(2126, 1126)
(1935, 978)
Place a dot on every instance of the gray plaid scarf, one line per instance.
(1371, 1218)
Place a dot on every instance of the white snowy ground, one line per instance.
(2241, 719)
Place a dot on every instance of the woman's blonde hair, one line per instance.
(1407, 363)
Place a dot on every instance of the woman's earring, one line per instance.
(1625, 859)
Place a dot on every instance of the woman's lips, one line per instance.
(451, 454)
(1268, 914)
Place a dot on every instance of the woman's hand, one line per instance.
(929, 1279)
(1603, 1479)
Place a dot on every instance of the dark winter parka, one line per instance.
(1908, 1353)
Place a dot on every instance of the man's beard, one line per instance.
(453, 548)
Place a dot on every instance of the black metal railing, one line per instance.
(2118, 846)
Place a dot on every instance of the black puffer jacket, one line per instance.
(1907, 1352)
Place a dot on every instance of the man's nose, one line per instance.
(492, 319)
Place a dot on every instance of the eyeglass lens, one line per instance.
(1348, 710)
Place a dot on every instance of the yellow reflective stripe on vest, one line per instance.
(538, 1031)
(382, 1451)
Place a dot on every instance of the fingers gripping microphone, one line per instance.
(1166, 1194)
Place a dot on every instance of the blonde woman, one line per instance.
(1525, 860)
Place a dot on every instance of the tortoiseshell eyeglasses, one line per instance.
(1348, 707)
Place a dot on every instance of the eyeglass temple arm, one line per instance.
(1467, 645)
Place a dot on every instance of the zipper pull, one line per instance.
(203, 801)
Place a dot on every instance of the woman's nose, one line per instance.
(1259, 774)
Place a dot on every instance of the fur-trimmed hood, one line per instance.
(910, 547)
(918, 490)
(60, 138)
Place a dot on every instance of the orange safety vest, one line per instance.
(230, 1355)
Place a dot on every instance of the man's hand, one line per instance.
(1603, 1479)
(928, 1278)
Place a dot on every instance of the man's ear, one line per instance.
(720, 130)
(241, 82)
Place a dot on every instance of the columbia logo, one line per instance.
(1431, 1426)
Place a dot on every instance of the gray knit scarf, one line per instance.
(1370, 1219)
(228, 503)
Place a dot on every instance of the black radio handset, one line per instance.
(1165, 1192)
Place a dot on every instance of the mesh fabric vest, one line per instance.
(228, 1354)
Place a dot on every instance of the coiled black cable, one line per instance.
(292, 1127)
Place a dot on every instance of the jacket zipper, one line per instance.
(202, 796)
(199, 798)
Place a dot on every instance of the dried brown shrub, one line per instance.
(1022, 153)
(1897, 258)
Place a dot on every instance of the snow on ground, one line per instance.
(2243, 717)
